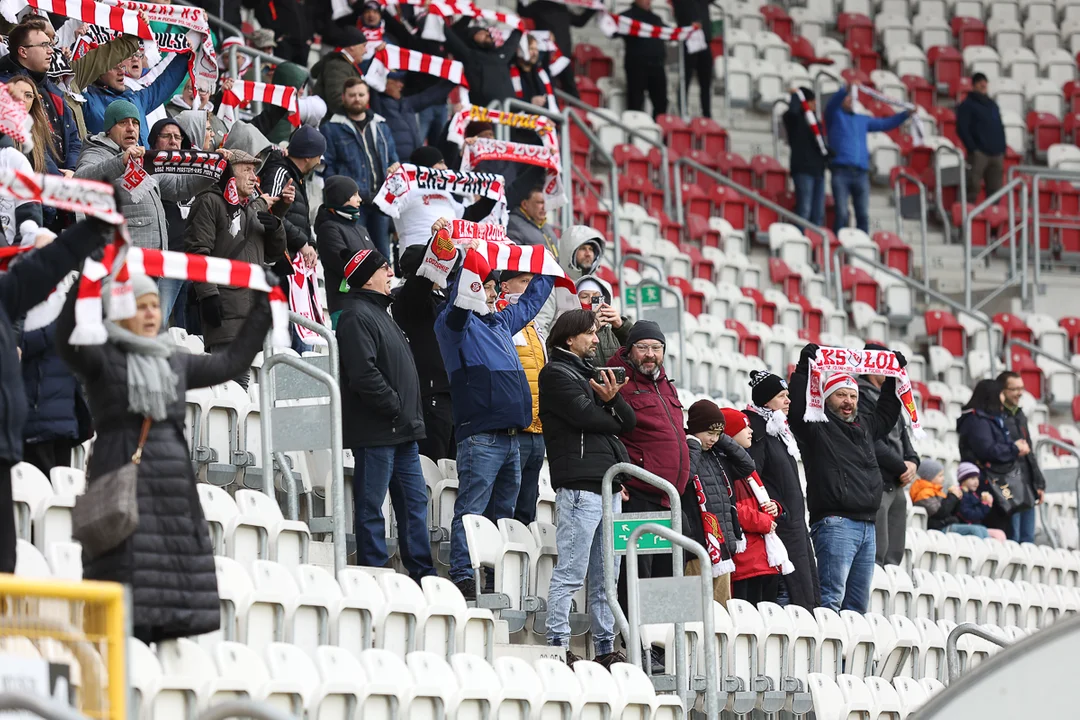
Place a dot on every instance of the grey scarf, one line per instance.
(150, 378)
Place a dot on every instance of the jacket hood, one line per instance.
(193, 124)
(102, 140)
(324, 217)
(577, 236)
(865, 386)
(970, 416)
(160, 125)
(290, 74)
(244, 136)
(605, 287)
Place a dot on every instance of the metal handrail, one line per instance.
(783, 212)
(707, 618)
(1038, 174)
(903, 174)
(774, 120)
(1036, 350)
(243, 709)
(969, 218)
(817, 82)
(1072, 450)
(611, 583)
(684, 374)
(952, 655)
(512, 104)
(613, 180)
(665, 160)
(939, 193)
(44, 707)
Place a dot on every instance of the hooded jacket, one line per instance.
(330, 74)
(193, 123)
(979, 126)
(102, 160)
(842, 476)
(611, 339)
(400, 114)
(362, 155)
(175, 217)
(806, 157)
(273, 178)
(99, 97)
(488, 388)
(580, 431)
(380, 398)
(486, 69)
(65, 129)
(893, 450)
(658, 442)
(715, 468)
(292, 75)
(337, 234)
(244, 136)
(847, 132)
(569, 243)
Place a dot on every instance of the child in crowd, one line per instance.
(973, 506)
(928, 492)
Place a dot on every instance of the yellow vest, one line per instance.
(531, 353)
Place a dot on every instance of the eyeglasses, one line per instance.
(654, 349)
(178, 138)
(43, 45)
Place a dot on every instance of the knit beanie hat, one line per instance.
(765, 386)
(338, 189)
(307, 142)
(409, 261)
(808, 94)
(734, 421)
(360, 267)
(143, 285)
(874, 345)
(838, 381)
(704, 416)
(121, 110)
(645, 330)
(966, 470)
(929, 468)
(426, 156)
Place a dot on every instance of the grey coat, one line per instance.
(524, 231)
(102, 160)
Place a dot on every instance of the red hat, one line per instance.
(838, 381)
(734, 421)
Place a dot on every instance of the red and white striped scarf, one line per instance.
(812, 121)
(304, 301)
(612, 25)
(439, 10)
(589, 4)
(393, 58)
(409, 178)
(203, 62)
(485, 149)
(916, 130)
(110, 15)
(775, 550)
(245, 91)
(15, 122)
(557, 62)
(515, 79)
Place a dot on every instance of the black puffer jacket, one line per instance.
(416, 305)
(779, 472)
(842, 476)
(296, 218)
(486, 69)
(168, 562)
(894, 449)
(55, 402)
(580, 432)
(335, 234)
(380, 393)
(715, 468)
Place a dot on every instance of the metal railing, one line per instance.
(898, 202)
(1036, 350)
(817, 82)
(662, 285)
(938, 185)
(665, 164)
(1072, 450)
(1014, 277)
(613, 180)
(952, 654)
(774, 120)
(1037, 175)
(562, 120)
(43, 707)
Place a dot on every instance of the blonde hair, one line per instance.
(42, 135)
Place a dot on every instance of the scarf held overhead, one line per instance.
(476, 113)
(246, 91)
(812, 121)
(918, 132)
(408, 178)
(187, 162)
(692, 35)
(485, 149)
(858, 362)
(392, 58)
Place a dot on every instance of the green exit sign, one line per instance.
(650, 295)
(647, 543)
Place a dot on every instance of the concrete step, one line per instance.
(530, 653)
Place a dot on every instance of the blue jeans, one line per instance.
(168, 292)
(851, 183)
(298, 345)
(378, 227)
(1022, 526)
(810, 197)
(489, 475)
(579, 539)
(845, 558)
(395, 468)
(432, 120)
(532, 460)
(978, 531)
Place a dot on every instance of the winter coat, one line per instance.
(532, 355)
(557, 19)
(209, 233)
(524, 231)
(847, 132)
(275, 174)
(27, 283)
(894, 449)
(62, 119)
(1017, 425)
(644, 53)
(658, 442)
(688, 12)
(380, 399)
(568, 248)
(488, 388)
(295, 76)
(779, 473)
(330, 74)
(168, 563)
(581, 433)
(193, 123)
(611, 339)
(245, 136)
(842, 476)
(985, 440)
(401, 114)
(416, 305)
(56, 408)
(335, 234)
(363, 156)
(945, 515)
(756, 524)
(103, 160)
(486, 69)
(979, 126)
(711, 468)
(971, 509)
(99, 97)
(806, 157)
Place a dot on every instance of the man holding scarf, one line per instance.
(843, 483)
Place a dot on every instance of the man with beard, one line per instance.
(359, 145)
(843, 483)
(487, 68)
(333, 71)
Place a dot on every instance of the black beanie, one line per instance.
(426, 156)
(338, 189)
(359, 267)
(807, 93)
(645, 330)
(872, 345)
(765, 386)
(409, 262)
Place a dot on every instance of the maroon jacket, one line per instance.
(658, 441)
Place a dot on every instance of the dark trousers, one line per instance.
(984, 168)
(49, 454)
(700, 65)
(762, 588)
(566, 80)
(849, 183)
(642, 78)
(439, 425)
(243, 378)
(7, 520)
(532, 460)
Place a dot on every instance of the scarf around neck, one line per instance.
(151, 382)
(776, 425)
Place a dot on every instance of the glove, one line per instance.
(211, 311)
(809, 352)
(269, 222)
(900, 359)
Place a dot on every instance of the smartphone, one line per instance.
(595, 303)
(618, 372)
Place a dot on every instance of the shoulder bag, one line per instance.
(108, 512)
(1006, 485)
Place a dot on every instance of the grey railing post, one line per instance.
(938, 186)
(897, 199)
(969, 218)
(707, 618)
(613, 180)
(952, 655)
(1069, 449)
(664, 289)
(43, 707)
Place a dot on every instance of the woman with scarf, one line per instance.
(340, 236)
(44, 155)
(776, 455)
(168, 562)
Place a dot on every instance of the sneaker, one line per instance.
(571, 658)
(467, 588)
(609, 659)
(656, 659)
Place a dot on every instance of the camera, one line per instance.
(618, 372)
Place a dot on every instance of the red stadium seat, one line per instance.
(1045, 130)
(859, 286)
(732, 206)
(766, 310)
(863, 55)
(677, 134)
(709, 136)
(1030, 372)
(968, 32)
(590, 94)
(696, 201)
(702, 268)
(733, 166)
(631, 161)
(693, 299)
(770, 177)
(946, 122)
(813, 316)
(748, 344)
(1076, 409)
(946, 331)
(1071, 90)
(790, 282)
(857, 27)
(802, 50)
(947, 68)
(592, 62)
(634, 189)
(608, 275)
(1071, 326)
(669, 229)
(698, 230)
(894, 252)
(778, 21)
(1014, 328)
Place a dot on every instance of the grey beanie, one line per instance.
(930, 468)
(143, 285)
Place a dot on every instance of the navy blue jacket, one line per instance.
(985, 439)
(401, 114)
(971, 509)
(53, 97)
(147, 100)
(978, 123)
(55, 406)
(847, 132)
(488, 388)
